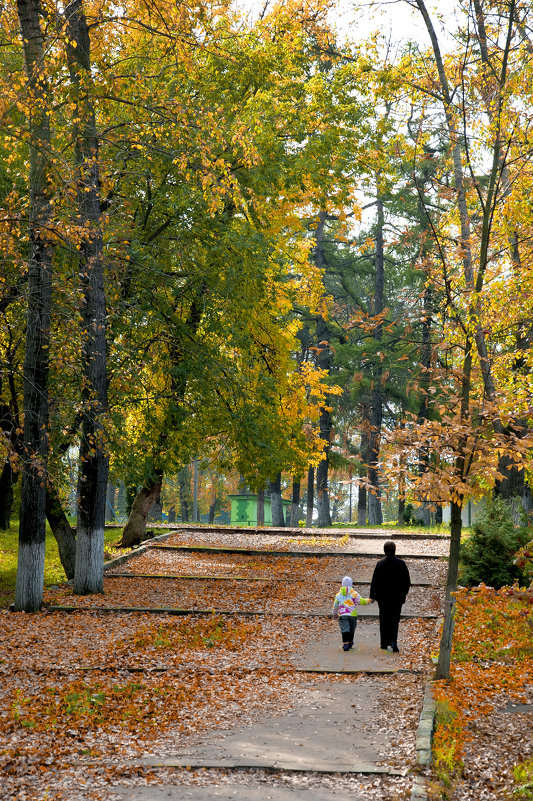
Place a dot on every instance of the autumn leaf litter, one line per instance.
(85, 696)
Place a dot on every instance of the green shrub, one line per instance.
(487, 556)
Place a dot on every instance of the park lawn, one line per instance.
(53, 571)
(483, 723)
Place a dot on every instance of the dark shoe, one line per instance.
(345, 647)
(383, 647)
(395, 649)
(350, 645)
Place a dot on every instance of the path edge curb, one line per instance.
(424, 738)
(119, 560)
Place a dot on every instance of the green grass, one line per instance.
(53, 571)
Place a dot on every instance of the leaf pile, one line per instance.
(492, 675)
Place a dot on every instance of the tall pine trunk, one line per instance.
(310, 501)
(375, 514)
(93, 467)
(32, 529)
(322, 492)
(295, 506)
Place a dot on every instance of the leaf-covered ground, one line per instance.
(345, 543)
(86, 695)
(483, 743)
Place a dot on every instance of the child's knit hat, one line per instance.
(347, 582)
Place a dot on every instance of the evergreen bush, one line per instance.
(487, 556)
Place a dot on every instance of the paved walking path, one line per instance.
(332, 730)
(345, 722)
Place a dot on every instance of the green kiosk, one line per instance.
(244, 510)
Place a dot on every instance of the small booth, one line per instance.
(244, 510)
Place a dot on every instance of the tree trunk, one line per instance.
(322, 496)
(375, 514)
(425, 382)
(156, 512)
(110, 502)
(445, 652)
(94, 462)
(310, 497)
(135, 529)
(276, 503)
(8, 479)
(361, 506)
(401, 486)
(261, 507)
(195, 517)
(62, 531)
(295, 506)
(172, 515)
(185, 494)
(32, 529)
(363, 448)
(324, 360)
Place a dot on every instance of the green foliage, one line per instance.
(523, 776)
(487, 556)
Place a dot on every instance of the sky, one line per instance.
(356, 19)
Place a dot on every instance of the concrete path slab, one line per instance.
(330, 731)
(365, 656)
(370, 554)
(232, 792)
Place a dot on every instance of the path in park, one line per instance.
(355, 719)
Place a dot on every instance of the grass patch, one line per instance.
(53, 570)
(523, 776)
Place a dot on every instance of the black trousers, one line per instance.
(347, 625)
(389, 620)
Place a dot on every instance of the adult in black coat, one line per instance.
(390, 584)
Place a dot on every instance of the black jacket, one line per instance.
(391, 580)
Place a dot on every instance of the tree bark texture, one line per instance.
(295, 506)
(445, 651)
(276, 502)
(8, 478)
(110, 502)
(32, 529)
(10, 427)
(375, 514)
(94, 461)
(310, 497)
(322, 493)
(135, 529)
(62, 530)
(185, 494)
(324, 360)
(261, 507)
